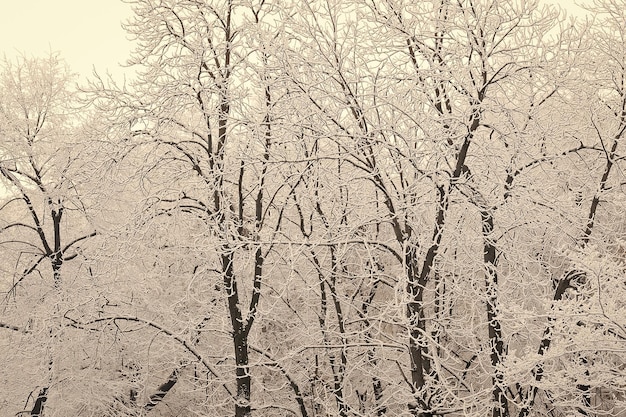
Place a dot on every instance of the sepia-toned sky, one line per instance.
(88, 33)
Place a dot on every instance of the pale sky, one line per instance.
(87, 32)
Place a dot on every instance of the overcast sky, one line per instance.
(88, 33)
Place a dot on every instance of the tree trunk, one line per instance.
(39, 402)
(500, 402)
(163, 389)
(239, 334)
(418, 350)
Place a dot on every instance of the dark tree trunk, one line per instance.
(500, 402)
(544, 345)
(418, 350)
(377, 384)
(239, 334)
(40, 402)
(163, 389)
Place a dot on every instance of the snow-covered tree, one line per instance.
(361, 207)
(43, 222)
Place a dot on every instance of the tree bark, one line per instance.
(163, 389)
(239, 335)
(39, 402)
(496, 344)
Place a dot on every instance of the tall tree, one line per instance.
(206, 107)
(361, 207)
(43, 216)
(413, 120)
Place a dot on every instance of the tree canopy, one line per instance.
(321, 208)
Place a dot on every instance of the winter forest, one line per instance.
(320, 208)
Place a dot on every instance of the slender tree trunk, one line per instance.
(585, 389)
(418, 350)
(56, 260)
(56, 257)
(337, 366)
(544, 345)
(500, 402)
(42, 397)
(377, 385)
(239, 335)
(163, 389)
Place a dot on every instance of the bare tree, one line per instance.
(207, 109)
(361, 207)
(44, 219)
